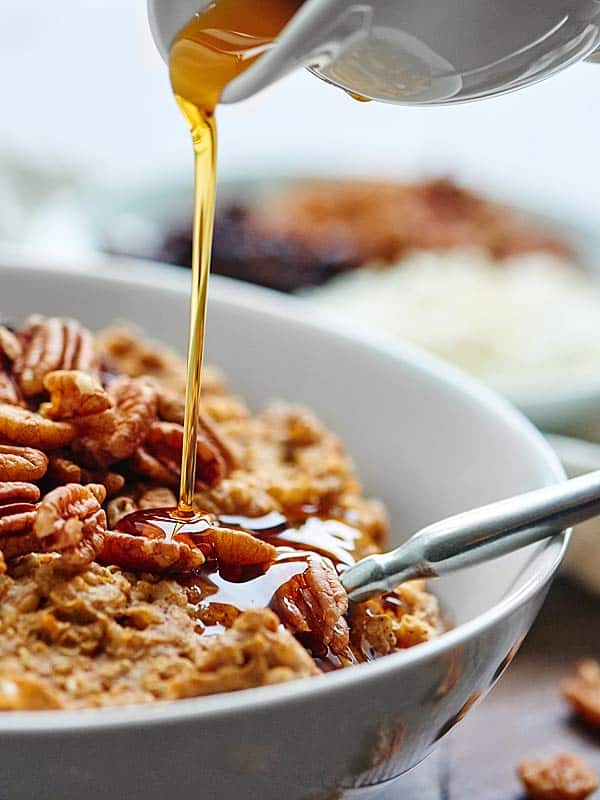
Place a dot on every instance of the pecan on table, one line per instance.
(582, 690)
(564, 777)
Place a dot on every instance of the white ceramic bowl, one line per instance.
(426, 439)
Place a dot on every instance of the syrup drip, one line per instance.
(215, 47)
(221, 591)
(360, 98)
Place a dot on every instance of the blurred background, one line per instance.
(84, 90)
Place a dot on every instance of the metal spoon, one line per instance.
(479, 535)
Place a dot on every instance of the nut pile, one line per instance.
(91, 430)
(77, 431)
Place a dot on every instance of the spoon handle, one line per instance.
(479, 535)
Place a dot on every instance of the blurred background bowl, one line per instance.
(151, 221)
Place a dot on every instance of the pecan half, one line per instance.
(582, 690)
(62, 470)
(48, 344)
(20, 426)
(564, 777)
(10, 346)
(71, 520)
(15, 518)
(73, 394)
(9, 391)
(160, 457)
(139, 554)
(10, 349)
(18, 492)
(21, 463)
(115, 434)
(17, 515)
(314, 603)
(239, 547)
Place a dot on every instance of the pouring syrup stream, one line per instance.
(216, 46)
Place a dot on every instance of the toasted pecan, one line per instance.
(241, 548)
(582, 690)
(18, 492)
(139, 554)
(21, 463)
(564, 777)
(115, 434)
(17, 517)
(135, 356)
(48, 344)
(70, 520)
(314, 603)
(10, 346)
(23, 427)
(73, 393)
(120, 507)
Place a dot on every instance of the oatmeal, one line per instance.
(106, 600)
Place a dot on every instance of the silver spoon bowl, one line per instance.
(482, 534)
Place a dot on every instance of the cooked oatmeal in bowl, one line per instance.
(100, 605)
(425, 439)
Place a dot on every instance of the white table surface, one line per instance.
(82, 84)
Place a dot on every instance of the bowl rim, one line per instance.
(107, 270)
